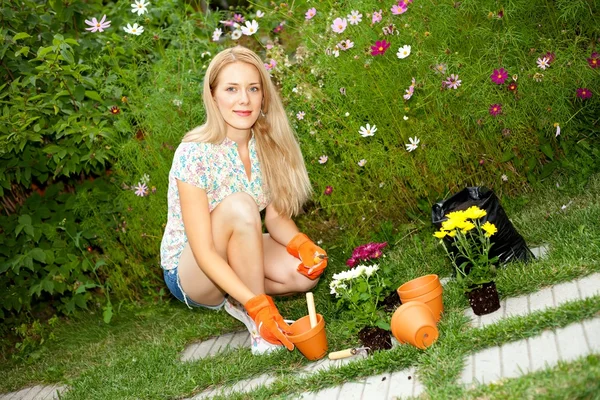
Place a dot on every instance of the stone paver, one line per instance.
(215, 345)
(590, 285)
(543, 350)
(565, 292)
(515, 359)
(377, 387)
(37, 392)
(592, 333)
(352, 390)
(571, 342)
(541, 300)
(533, 354)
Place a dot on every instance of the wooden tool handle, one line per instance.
(312, 314)
(336, 355)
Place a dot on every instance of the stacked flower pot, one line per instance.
(415, 321)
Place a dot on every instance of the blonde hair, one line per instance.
(284, 173)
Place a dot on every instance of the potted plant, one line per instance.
(470, 244)
(359, 292)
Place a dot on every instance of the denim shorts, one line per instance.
(174, 285)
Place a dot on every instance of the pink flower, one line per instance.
(323, 159)
(300, 115)
(328, 190)
(97, 26)
(584, 93)
(365, 252)
(345, 44)
(339, 25)
(499, 76)
(270, 65)
(550, 56)
(452, 82)
(594, 60)
(397, 9)
(495, 109)
(376, 16)
(380, 48)
(279, 27)
(238, 18)
(310, 13)
(141, 189)
(543, 62)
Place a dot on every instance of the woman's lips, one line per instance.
(243, 113)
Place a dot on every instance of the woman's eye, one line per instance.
(255, 89)
(230, 89)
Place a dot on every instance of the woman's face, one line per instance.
(238, 95)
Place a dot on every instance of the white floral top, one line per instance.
(216, 168)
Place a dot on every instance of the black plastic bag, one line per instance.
(507, 244)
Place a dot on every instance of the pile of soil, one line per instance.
(375, 338)
(484, 300)
(391, 302)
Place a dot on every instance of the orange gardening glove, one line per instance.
(269, 322)
(314, 258)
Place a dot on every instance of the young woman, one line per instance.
(245, 158)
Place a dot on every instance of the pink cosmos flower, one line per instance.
(141, 189)
(339, 25)
(300, 115)
(397, 9)
(594, 60)
(499, 76)
(354, 17)
(495, 109)
(550, 56)
(345, 44)
(380, 47)
(238, 18)
(362, 163)
(411, 89)
(97, 26)
(279, 27)
(452, 82)
(270, 65)
(328, 190)
(310, 13)
(543, 62)
(376, 16)
(228, 22)
(584, 93)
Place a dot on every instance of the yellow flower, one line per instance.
(456, 215)
(467, 226)
(489, 229)
(475, 212)
(452, 233)
(440, 234)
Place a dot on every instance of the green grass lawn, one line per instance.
(137, 355)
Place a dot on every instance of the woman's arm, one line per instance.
(281, 228)
(197, 223)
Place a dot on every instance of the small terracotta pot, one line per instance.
(419, 286)
(312, 342)
(414, 323)
(432, 299)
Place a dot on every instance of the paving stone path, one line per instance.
(509, 360)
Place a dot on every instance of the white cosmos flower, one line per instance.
(250, 29)
(362, 163)
(140, 7)
(405, 118)
(403, 51)
(134, 30)
(236, 34)
(259, 14)
(323, 159)
(368, 130)
(217, 34)
(414, 143)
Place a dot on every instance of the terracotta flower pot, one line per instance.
(432, 299)
(414, 323)
(312, 342)
(419, 286)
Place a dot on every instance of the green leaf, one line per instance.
(67, 55)
(21, 35)
(79, 92)
(107, 313)
(547, 150)
(93, 95)
(507, 156)
(22, 50)
(38, 255)
(25, 219)
(383, 325)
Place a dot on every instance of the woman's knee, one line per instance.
(240, 210)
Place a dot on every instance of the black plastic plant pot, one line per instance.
(484, 300)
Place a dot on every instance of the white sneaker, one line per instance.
(258, 345)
